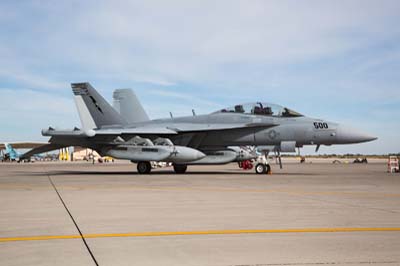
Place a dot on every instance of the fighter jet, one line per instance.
(129, 107)
(8, 152)
(192, 140)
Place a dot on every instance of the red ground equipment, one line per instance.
(246, 165)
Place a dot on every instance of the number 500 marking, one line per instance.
(320, 125)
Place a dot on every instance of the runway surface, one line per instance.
(304, 214)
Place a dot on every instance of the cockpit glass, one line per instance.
(259, 108)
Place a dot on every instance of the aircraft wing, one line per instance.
(23, 145)
(144, 130)
(152, 129)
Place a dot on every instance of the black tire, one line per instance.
(144, 168)
(180, 169)
(260, 169)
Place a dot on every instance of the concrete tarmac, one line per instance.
(107, 214)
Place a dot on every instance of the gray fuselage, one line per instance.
(301, 130)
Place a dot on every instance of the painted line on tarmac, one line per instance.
(208, 232)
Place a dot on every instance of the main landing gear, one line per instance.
(144, 168)
(180, 168)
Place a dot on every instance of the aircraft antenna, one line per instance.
(317, 148)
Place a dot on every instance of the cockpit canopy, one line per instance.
(266, 109)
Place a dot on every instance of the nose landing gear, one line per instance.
(262, 165)
(263, 168)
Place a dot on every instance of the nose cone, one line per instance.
(346, 135)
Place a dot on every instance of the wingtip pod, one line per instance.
(76, 132)
(45, 132)
(90, 133)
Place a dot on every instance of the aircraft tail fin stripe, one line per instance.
(94, 110)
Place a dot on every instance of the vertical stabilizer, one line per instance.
(11, 152)
(94, 110)
(129, 106)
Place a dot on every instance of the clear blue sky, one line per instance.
(338, 60)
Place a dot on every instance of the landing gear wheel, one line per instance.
(180, 169)
(144, 168)
(261, 168)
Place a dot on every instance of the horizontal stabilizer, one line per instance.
(42, 149)
(23, 145)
